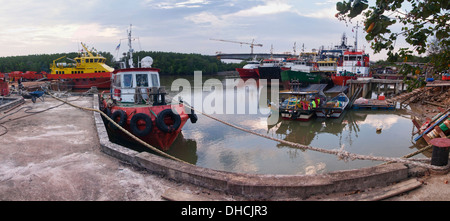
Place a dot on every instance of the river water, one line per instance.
(214, 145)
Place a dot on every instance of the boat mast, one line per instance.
(130, 51)
(356, 37)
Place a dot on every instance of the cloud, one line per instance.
(322, 13)
(38, 39)
(270, 8)
(87, 31)
(228, 19)
(170, 4)
(206, 18)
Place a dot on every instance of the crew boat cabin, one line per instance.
(135, 81)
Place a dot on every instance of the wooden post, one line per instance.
(364, 92)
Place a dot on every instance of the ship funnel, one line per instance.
(147, 62)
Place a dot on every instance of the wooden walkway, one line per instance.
(366, 85)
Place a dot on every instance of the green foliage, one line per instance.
(168, 62)
(420, 20)
(425, 19)
(184, 64)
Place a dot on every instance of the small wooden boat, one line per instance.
(333, 108)
(300, 105)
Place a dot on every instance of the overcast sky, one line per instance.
(56, 26)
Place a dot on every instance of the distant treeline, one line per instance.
(168, 62)
(40, 62)
(185, 64)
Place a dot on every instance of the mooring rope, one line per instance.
(340, 153)
(122, 129)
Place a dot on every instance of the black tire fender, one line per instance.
(193, 117)
(122, 119)
(163, 126)
(108, 112)
(134, 124)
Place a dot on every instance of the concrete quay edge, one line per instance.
(253, 186)
(13, 101)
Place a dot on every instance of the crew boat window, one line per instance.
(116, 81)
(141, 80)
(155, 80)
(128, 80)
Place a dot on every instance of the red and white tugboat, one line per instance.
(137, 103)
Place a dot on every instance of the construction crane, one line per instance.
(251, 44)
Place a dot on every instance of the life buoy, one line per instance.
(135, 126)
(161, 124)
(122, 119)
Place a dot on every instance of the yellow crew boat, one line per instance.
(87, 70)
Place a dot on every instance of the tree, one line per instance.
(420, 20)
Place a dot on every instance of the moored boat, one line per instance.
(327, 66)
(86, 71)
(302, 71)
(334, 107)
(250, 70)
(298, 106)
(301, 103)
(352, 64)
(341, 78)
(137, 103)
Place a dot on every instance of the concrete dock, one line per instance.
(56, 155)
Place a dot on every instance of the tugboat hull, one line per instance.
(143, 123)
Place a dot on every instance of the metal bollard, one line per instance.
(440, 153)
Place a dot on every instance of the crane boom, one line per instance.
(252, 44)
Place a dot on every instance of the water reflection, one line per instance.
(211, 144)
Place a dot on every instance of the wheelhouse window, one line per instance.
(155, 80)
(117, 81)
(128, 80)
(141, 80)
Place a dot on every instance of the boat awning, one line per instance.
(310, 89)
(337, 89)
(313, 87)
